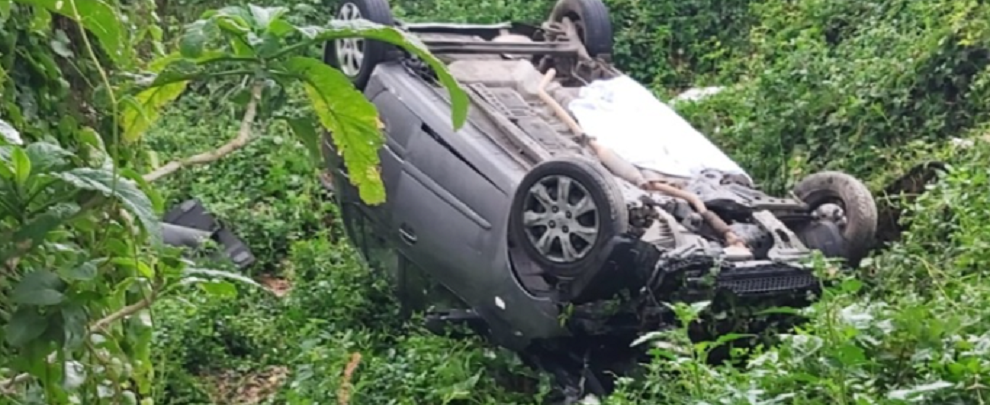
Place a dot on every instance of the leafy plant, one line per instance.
(82, 255)
(262, 46)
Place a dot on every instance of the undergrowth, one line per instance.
(869, 87)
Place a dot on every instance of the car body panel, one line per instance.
(438, 202)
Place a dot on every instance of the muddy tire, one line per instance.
(354, 57)
(859, 210)
(593, 23)
(564, 213)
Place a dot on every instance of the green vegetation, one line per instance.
(870, 87)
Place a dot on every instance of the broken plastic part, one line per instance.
(737, 253)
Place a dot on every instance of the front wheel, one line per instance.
(563, 214)
(845, 212)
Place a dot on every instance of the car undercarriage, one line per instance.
(560, 245)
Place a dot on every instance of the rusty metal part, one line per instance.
(717, 223)
(555, 106)
(617, 165)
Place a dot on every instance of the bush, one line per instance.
(832, 84)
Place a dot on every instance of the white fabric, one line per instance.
(624, 116)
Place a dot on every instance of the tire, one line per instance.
(860, 211)
(605, 218)
(593, 22)
(374, 52)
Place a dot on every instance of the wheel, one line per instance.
(592, 21)
(356, 57)
(845, 202)
(563, 214)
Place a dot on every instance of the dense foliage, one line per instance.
(865, 86)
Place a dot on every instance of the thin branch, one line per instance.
(243, 137)
(124, 312)
(344, 392)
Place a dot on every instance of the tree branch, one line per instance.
(243, 137)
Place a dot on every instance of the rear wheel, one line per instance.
(564, 212)
(357, 57)
(846, 215)
(592, 21)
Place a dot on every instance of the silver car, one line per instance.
(544, 237)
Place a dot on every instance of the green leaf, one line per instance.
(264, 16)
(39, 227)
(94, 15)
(219, 289)
(60, 45)
(130, 262)
(25, 325)
(10, 134)
(365, 29)
(851, 285)
(22, 165)
(40, 287)
(848, 354)
(144, 110)
(83, 272)
(194, 38)
(351, 120)
(104, 181)
(306, 132)
(74, 324)
(46, 156)
(90, 137)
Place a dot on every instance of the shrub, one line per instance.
(831, 84)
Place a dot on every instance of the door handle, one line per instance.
(407, 234)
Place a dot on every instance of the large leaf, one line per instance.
(351, 119)
(366, 29)
(46, 156)
(25, 325)
(94, 15)
(145, 108)
(40, 287)
(35, 231)
(307, 134)
(126, 190)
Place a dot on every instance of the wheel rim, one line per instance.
(833, 211)
(350, 51)
(561, 219)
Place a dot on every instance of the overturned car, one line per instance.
(570, 185)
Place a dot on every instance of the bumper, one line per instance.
(639, 267)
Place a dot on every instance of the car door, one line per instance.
(440, 215)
